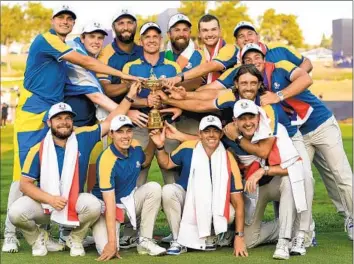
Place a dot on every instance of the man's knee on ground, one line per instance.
(89, 204)
(16, 213)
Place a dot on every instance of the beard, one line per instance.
(179, 46)
(126, 39)
(60, 135)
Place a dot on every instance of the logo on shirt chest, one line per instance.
(138, 165)
(189, 66)
(276, 85)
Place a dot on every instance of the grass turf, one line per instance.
(333, 245)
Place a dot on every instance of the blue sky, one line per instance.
(314, 17)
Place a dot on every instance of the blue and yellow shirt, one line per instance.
(227, 100)
(228, 55)
(182, 156)
(118, 172)
(113, 56)
(281, 79)
(45, 73)
(196, 59)
(87, 137)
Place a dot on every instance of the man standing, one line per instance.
(207, 171)
(118, 169)
(44, 82)
(210, 35)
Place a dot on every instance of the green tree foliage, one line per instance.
(326, 42)
(11, 24)
(194, 10)
(280, 27)
(230, 13)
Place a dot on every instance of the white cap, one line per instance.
(119, 121)
(63, 9)
(250, 46)
(148, 25)
(208, 121)
(178, 18)
(245, 106)
(93, 26)
(244, 24)
(124, 12)
(60, 108)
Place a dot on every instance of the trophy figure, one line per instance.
(155, 120)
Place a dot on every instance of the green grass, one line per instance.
(333, 247)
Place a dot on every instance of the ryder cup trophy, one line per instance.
(155, 120)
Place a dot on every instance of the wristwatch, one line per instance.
(240, 234)
(280, 95)
(238, 139)
(181, 74)
(266, 169)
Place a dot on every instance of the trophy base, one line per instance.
(155, 120)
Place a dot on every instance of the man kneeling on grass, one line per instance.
(197, 207)
(118, 169)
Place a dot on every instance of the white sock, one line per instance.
(301, 234)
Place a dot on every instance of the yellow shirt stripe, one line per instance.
(55, 42)
(174, 64)
(271, 115)
(235, 172)
(187, 144)
(107, 162)
(104, 57)
(286, 65)
(29, 158)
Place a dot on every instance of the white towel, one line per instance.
(50, 181)
(205, 198)
(263, 131)
(128, 203)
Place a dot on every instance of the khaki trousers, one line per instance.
(26, 214)
(278, 189)
(326, 140)
(147, 205)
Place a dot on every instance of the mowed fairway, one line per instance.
(333, 245)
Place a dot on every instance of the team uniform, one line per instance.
(118, 173)
(280, 77)
(44, 81)
(142, 68)
(87, 206)
(173, 195)
(321, 134)
(113, 56)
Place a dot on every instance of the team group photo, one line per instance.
(201, 133)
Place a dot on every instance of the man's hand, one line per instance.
(251, 183)
(162, 95)
(154, 100)
(172, 81)
(171, 132)
(109, 252)
(138, 118)
(177, 93)
(231, 131)
(134, 89)
(129, 77)
(158, 137)
(58, 202)
(240, 247)
(269, 98)
(174, 110)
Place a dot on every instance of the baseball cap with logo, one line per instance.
(60, 108)
(178, 18)
(208, 121)
(93, 26)
(149, 25)
(63, 9)
(243, 24)
(245, 106)
(124, 12)
(120, 121)
(251, 46)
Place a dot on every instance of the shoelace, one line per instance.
(348, 223)
(299, 242)
(12, 240)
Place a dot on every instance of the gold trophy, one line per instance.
(155, 120)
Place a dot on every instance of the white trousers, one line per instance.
(278, 189)
(147, 205)
(26, 214)
(326, 141)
